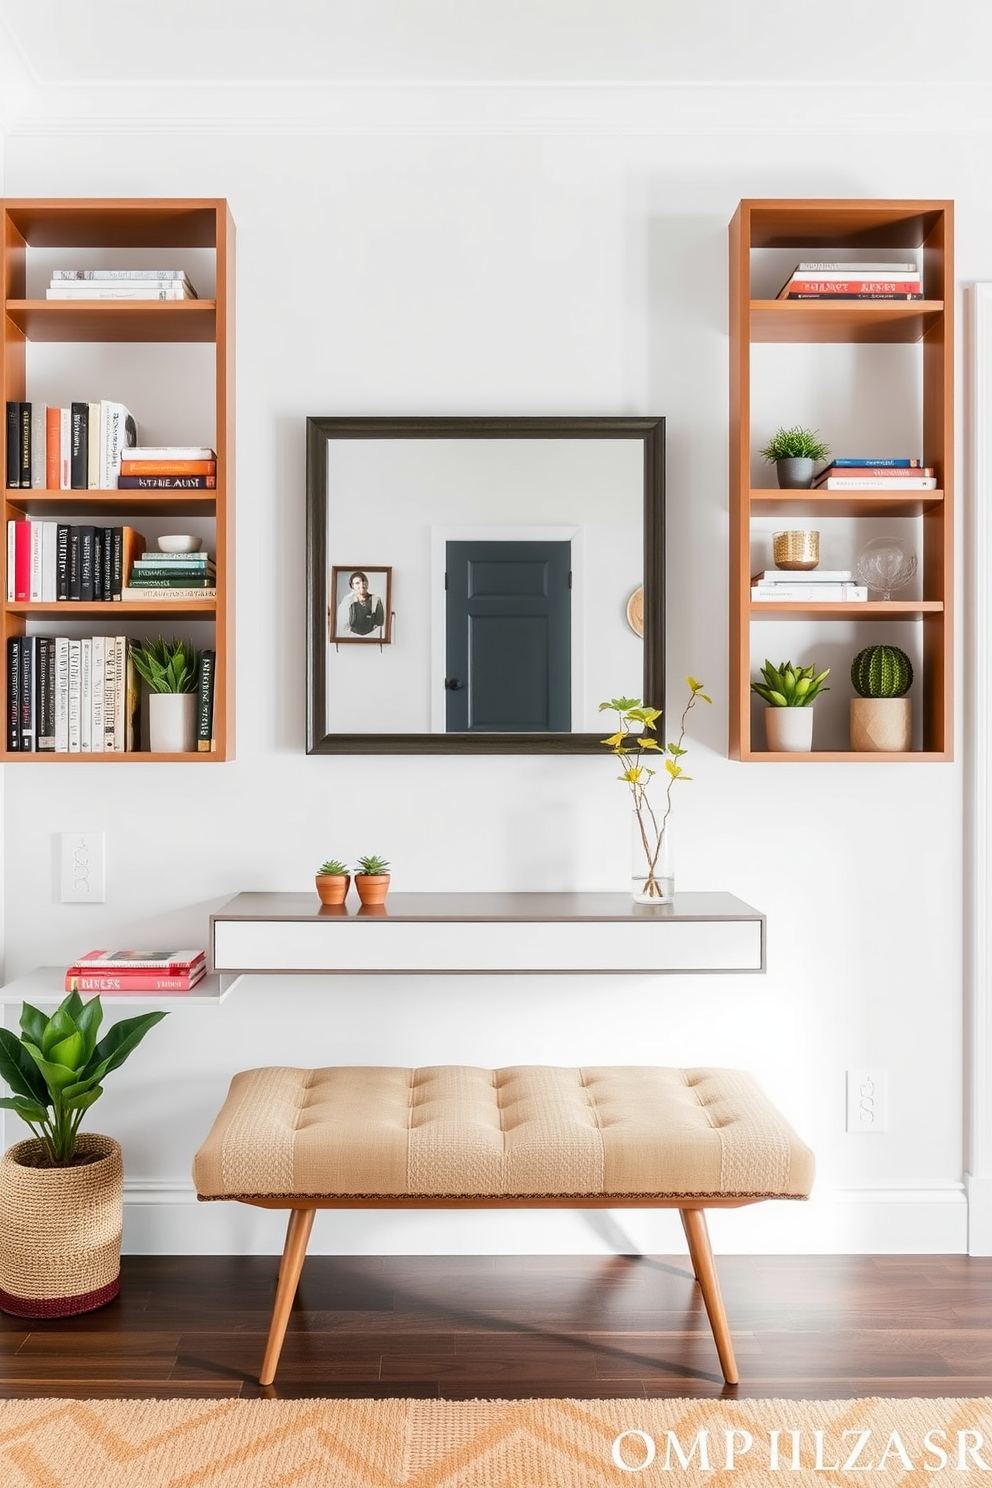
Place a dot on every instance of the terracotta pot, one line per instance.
(333, 887)
(372, 887)
(60, 1230)
(882, 725)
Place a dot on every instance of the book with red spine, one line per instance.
(53, 435)
(162, 963)
(168, 467)
(133, 981)
(835, 288)
(22, 559)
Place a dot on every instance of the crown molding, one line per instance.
(586, 108)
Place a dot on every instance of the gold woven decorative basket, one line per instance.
(60, 1230)
(797, 550)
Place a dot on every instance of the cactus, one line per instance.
(881, 672)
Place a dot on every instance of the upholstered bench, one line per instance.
(530, 1136)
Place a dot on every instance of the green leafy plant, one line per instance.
(632, 749)
(789, 686)
(882, 672)
(795, 444)
(372, 865)
(167, 666)
(57, 1066)
(333, 868)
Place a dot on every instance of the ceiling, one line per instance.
(125, 58)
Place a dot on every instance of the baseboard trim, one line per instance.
(165, 1218)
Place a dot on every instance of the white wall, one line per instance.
(531, 269)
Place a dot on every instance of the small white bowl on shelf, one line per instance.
(179, 543)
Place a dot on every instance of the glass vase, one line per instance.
(652, 870)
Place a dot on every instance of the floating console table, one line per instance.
(262, 933)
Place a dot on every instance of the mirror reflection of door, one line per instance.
(508, 637)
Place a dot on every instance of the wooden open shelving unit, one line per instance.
(169, 224)
(822, 228)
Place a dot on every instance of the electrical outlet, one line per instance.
(867, 1100)
(83, 868)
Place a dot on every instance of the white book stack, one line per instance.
(120, 284)
(819, 586)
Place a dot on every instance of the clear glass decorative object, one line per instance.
(652, 873)
(885, 565)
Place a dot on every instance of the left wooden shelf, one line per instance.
(28, 227)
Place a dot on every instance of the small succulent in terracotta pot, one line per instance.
(372, 879)
(333, 881)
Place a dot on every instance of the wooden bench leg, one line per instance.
(701, 1255)
(293, 1255)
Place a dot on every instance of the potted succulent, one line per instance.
(653, 869)
(789, 692)
(794, 452)
(881, 714)
(333, 881)
(61, 1194)
(372, 879)
(170, 671)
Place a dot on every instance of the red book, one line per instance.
(53, 435)
(168, 467)
(898, 288)
(154, 963)
(22, 559)
(131, 981)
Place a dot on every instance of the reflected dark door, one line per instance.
(508, 644)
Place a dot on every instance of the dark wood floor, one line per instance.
(506, 1327)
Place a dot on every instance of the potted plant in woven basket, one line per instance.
(881, 714)
(61, 1193)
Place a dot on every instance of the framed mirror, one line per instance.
(503, 576)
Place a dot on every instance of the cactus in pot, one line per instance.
(881, 714)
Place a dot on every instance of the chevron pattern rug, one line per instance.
(491, 1444)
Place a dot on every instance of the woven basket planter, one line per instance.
(60, 1231)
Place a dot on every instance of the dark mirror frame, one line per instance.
(650, 432)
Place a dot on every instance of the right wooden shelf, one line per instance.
(821, 229)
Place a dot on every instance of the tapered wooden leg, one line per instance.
(701, 1255)
(293, 1255)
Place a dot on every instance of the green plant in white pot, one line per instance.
(170, 672)
(794, 453)
(789, 692)
(61, 1193)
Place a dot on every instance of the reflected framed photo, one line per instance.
(360, 604)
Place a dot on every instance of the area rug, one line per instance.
(490, 1444)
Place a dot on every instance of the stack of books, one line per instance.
(853, 281)
(50, 561)
(820, 585)
(136, 971)
(70, 695)
(78, 448)
(876, 474)
(120, 284)
(172, 576)
(168, 467)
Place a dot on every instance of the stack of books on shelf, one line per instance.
(51, 561)
(120, 284)
(168, 467)
(853, 281)
(78, 448)
(136, 971)
(876, 474)
(820, 585)
(171, 576)
(74, 695)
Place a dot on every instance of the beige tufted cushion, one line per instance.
(529, 1130)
